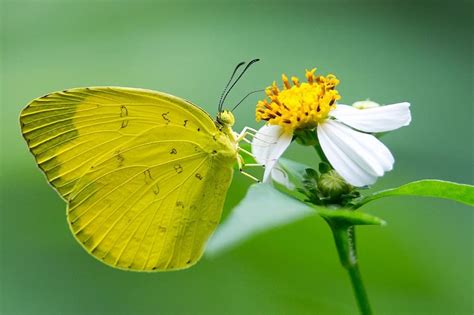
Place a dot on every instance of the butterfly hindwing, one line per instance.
(134, 213)
(143, 190)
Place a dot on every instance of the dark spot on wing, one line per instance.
(123, 114)
(156, 189)
(119, 158)
(165, 117)
(198, 176)
(185, 122)
(149, 180)
(123, 111)
(173, 151)
(148, 177)
(178, 168)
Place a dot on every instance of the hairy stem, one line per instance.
(344, 236)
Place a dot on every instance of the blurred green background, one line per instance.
(421, 263)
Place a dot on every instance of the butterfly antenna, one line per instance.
(219, 106)
(237, 80)
(243, 99)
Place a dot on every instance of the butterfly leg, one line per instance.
(251, 155)
(247, 131)
(241, 163)
(246, 152)
(242, 136)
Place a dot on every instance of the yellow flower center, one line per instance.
(302, 105)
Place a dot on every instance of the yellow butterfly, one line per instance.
(144, 173)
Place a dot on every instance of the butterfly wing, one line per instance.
(143, 174)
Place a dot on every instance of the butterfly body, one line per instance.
(144, 173)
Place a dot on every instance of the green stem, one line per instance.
(359, 290)
(321, 154)
(344, 236)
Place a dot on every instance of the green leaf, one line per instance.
(295, 170)
(324, 167)
(264, 208)
(288, 177)
(427, 188)
(345, 217)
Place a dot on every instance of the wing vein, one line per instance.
(173, 211)
(131, 166)
(77, 128)
(131, 206)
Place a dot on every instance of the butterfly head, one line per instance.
(225, 118)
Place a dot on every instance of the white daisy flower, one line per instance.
(344, 132)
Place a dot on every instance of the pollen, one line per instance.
(299, 105)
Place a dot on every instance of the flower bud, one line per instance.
(332, 185)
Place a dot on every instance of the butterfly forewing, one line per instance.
(67, 131)
(139, 169)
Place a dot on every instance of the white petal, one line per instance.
(268, 145)
(375, 119)
(358, 157)
(342, 163)
(365, 104)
